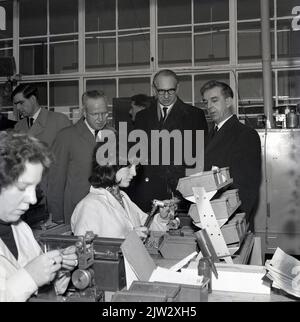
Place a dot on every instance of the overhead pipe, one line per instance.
(266, 62)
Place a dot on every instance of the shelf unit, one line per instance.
(214, 209)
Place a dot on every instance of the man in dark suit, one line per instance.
(42, 124)
(167, 112)
(73, 150)
(234, 145)
(36, 120)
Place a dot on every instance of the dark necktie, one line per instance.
(96, 133)
(214, 131)
(30, 121)
(165, 109)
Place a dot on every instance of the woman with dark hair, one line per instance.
(107, 210)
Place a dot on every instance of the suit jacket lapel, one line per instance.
(85, 133)
(39, 125)
(174, 115)
(220, 136)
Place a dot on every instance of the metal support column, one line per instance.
(266, 61)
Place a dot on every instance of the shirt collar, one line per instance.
(36, 114)
(223, 122)
(89, 127)
(92, 130)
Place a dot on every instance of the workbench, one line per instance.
(218, 296)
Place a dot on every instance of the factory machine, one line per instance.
(100, 260)
(100, 268)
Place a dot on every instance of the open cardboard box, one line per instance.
(236, 278)
(140, 266)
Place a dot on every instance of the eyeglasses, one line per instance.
(96, 115)
(170, 91)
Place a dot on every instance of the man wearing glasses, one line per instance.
(73, 149)
(168, 112)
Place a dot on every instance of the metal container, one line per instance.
(292, 120)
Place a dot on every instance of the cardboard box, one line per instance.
(140, 266)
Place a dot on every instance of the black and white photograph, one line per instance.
(149, 154)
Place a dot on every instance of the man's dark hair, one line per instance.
(15, 150)
(141, 100)
(26, 89)
(226, 89)
(165, 72)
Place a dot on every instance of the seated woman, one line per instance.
(23, 266)
(107, 210)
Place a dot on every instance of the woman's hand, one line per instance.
(167, 212)
(69, 258)
(142, 231)
(43, 268)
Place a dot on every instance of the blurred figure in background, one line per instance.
(138, 103)
(42, 124)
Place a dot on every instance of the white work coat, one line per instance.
(101, 213)
(16, 284)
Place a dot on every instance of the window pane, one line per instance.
(33, 17)
(5, 101)
(100, 52)
(133, 14)
(210, 11)
(185, 89)
(250, 87)
(7, 9)
(100, 15)
(134, 51)
(284, 7)
(174, 47)
(288, 41)
(174, 12)
(249, 9)
(64, 98)
(33, 56)
(132, 86)
(212, 45)
(6, 48)
(63, 16)
(289, 85)
(249, 41)
(108, 86)
(63, 55)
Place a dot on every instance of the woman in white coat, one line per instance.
(107, 210)
(23, 266)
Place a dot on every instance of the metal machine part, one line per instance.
(82, 278)
(100, 266)
(171, 204)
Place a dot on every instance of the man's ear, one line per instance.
(229, 102)
(177, 88)
(154, 89)
(33, 99)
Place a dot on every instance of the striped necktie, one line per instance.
(30, 121)
(165, 109)
(214, 131)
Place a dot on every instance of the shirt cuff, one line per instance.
(21, 285)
